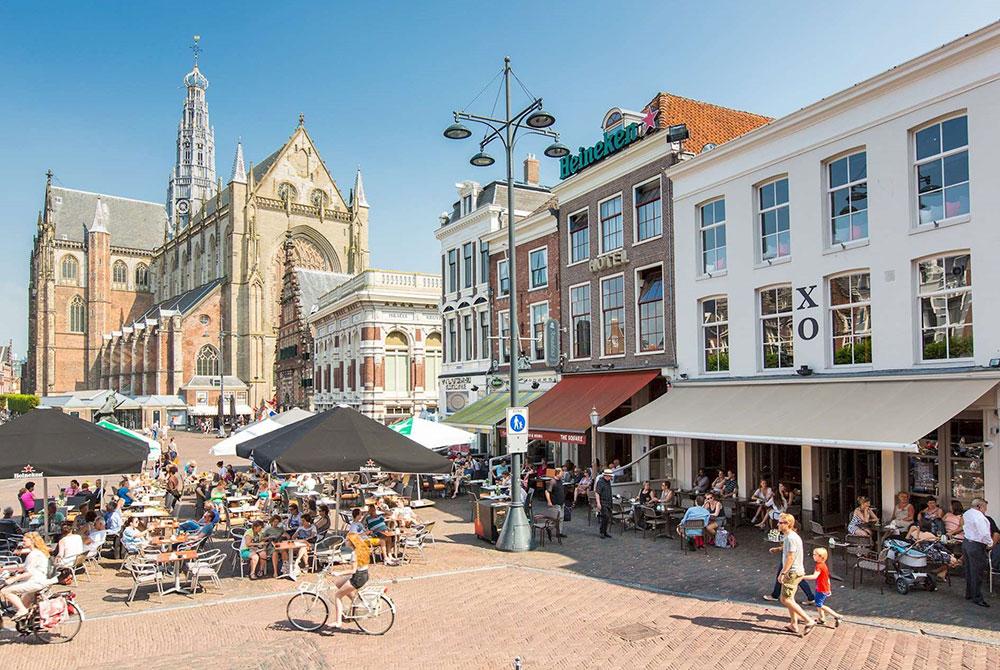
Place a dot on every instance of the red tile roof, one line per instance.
(707, 123)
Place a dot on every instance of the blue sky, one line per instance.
(93, 90)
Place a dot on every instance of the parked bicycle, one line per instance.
(371, 610)
(61, 622)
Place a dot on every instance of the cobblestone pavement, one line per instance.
(625, 602)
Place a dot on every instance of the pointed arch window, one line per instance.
(207, 362)
(119, 274)
(77, 315)
(287, 192)
(70, 269)
(142, 277)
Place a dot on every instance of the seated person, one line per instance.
(696, 512)
(29, 578)
(124, 493)
(925, 540)
(133, 539)
(69, 547)
(208, 519)
(8, 525)
(702, 483)
(294, 517)
(403, 515)
(761, 497)
(717, 515)
(862, 518)
(730, 489)
(903, 513)
(273, 533)
(666, 495)
(357, 524)
(322, 520)
(55, 517)
(378, 529)
(72, 489)
(954, 521)
(113, 518)
(582, 485)
(253, 548)
(646, 493)
(97, 533)
(306, 532)
(717, 483)
(931, 511)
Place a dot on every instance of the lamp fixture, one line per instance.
(804, 371)
(677, 133)
(482, 159)
(540, 119)
(995, 362)
(457, 131)
(557, 150)
(595, 417)
(535, 385)
(474, 388)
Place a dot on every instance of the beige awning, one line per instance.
(889, 414)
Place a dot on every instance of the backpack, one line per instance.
(722, 538)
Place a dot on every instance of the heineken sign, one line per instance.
(613, 142)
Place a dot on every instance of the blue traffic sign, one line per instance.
(517, 423)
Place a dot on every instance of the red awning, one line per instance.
(563, 413)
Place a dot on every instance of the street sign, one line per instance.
(517, 430)
(552, 353)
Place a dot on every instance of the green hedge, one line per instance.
(18, 403)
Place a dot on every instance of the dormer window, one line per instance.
(466, 204)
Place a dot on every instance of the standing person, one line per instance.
(603, 499)
(555, 497)
(172, 451)
(792, 572)
(975, 550)
(823, 589)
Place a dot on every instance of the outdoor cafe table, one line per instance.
(169, 542)
(291, 569)
(232, 499)
(148, 514)
(177, 558)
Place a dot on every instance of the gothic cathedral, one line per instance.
(152, 299)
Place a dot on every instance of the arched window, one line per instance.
(142, 277)
(286, 192)
(77, 315)
(397, 362)
(318, 198)
(70, 269)
(207, 362)
(119, 274)
(432, 360)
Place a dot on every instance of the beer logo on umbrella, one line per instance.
(28, 471)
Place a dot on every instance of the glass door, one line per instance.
(965, 447)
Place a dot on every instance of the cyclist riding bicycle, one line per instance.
(30, 578)
(348, 584)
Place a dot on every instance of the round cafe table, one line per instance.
(290, 547)
(177, 558)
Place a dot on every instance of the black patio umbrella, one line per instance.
(47, 443)
(340, 440)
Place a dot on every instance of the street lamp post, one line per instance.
(516, 532)
(595, 418)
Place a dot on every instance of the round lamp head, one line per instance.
(482, 159)
(540, 119)
(557, 150)
(457, 131)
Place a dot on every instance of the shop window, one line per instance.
(579, 237)
(851, 318)
(539, 314)
(650, 308)
(775, 227)
(715, 333)
(848, 195)
(579, 297)
(945, 295)
(965, 447)
(611, 224)
(648, 216)
(712, 221)
(777, 347)
(613, 315)
(661, 461)
(942, 170)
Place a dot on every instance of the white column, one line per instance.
(640, 445)
(746, 485)
(807, 478)
(684, 463)
(891, 473)
(991, 456)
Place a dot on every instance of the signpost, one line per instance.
(552, 353)
(517, 430)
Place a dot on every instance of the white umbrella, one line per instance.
(432, 434)
(227, 447)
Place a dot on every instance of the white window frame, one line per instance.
(759, 220)
(500, 291)
(532, 323)
(701, 240)
(468, 343)
(572, 324)
(600, 224)
(915, 164)
(778, 315)
(483, 317)
(831, 311)
(504, 339)
(624, 308)
(635, 212)
(569, 237)
(828, 214)
(531, 279)
(663, 308)
(702, 327)
(468, 273)
(484, 262)
(940, 293)
(457, 273)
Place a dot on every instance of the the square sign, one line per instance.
(517, 430)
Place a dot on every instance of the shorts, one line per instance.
(359, 579)
(791, 584)
(821, 598)
(245, 554)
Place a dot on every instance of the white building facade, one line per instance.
(836, 284)
(378, 346)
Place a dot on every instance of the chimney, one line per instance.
(531, 170)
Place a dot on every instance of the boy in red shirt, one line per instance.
(823, 590)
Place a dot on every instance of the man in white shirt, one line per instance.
(975, 550)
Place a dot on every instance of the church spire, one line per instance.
(239, 168)
(358, 199)
(193, 179)
(100, 222)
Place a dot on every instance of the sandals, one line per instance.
(836, 621)
(792, 629)
(808, 628)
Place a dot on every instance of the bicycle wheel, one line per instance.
(65, 630)
(374, 620)
(307, 611)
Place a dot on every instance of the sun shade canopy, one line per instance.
(485, 413)
(889, 414)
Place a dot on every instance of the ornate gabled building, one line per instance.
(109, 275)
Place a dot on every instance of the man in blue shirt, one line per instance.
(694, 513)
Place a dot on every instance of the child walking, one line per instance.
(823, 590)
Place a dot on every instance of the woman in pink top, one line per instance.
(27, 496)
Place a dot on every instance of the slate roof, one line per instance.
(313, 284)
(132, 223)
(526, 197)
(181, 303)
(260, 169)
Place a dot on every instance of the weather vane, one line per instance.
(196, 48)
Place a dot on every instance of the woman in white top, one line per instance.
(762, 498)
(32, 578)
(70, 546)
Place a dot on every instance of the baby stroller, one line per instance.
(907, 566)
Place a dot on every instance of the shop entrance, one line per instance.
(777, 463)
(847, 474)
(715, 455)
(949, 464)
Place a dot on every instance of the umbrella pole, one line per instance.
(45, 505)
(419, 489)
(336, 505)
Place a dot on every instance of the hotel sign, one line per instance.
(613, 142)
